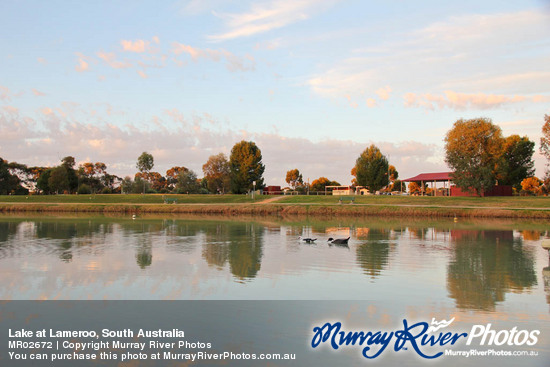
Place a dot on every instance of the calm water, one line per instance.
(466, 265)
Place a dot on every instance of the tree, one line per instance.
(59, 179)
(68, 163)
(414, 187)
(246, 167)
(516, 161)
(187, 182)
(294, 178)
(217, 172)
(42, 181)
(145, 163)
(126, 185)
(473, 149)
(531, 185)
(172, 175)
(8, 182)
(545, 142)
(371, 169)
(394, 175)
(322, 182)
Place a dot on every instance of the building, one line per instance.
(451, 190)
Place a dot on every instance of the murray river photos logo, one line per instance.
(423, 338)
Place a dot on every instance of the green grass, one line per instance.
(128, 199)
(427, 201)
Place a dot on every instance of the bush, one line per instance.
(106, 190)
(164, 190)
(84, 189)
(203, 191)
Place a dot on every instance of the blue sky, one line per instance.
(312, 82)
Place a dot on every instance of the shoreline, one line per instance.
(283, 209)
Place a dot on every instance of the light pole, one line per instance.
(254, 189)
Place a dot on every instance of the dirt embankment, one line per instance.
(281, 210)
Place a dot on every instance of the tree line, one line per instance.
(477, 152)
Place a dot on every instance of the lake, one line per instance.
(489, 266)
(476, 271)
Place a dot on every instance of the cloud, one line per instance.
(233, 62)
(384, 93)
(266, 16)
(371, 102)
(5, 93)
(38, 93)
(110, 59)
(83, 63)
(463, 101)
(195, 137)
(473, 54)
(134, 46)
(42, 60)
(142, 74)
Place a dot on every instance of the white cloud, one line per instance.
(464, 101)
(38, 93)
(195, 138)
(83, 63)
(266, 16)
(135, 46)
(233, 62)
(110, 59)
(5, 93)
(498, 54)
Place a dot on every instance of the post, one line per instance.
(253, 189)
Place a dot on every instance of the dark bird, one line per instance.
(339, 241)
(308, 240)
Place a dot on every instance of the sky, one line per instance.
(312, 82)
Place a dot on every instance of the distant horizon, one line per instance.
(312, 82)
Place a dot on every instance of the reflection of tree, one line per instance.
(144, 256)
(239, 243)
(373, 255)
(67, 232)
(486, 265)
(546, 278)
(7, 229)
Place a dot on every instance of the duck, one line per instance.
(339, 241)
(308, 240)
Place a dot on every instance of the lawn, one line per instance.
(128, 199)
(426, 201)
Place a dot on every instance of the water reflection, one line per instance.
(468, 266)
(238, 245)
(485, 266)
(374, 253)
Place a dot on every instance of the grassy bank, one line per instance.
(435, 207)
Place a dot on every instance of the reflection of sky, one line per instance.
(403, 266)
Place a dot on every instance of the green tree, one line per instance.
(187, 182)
(42, 181)
(68, 163)
(145, 163)
(126, 185)
(473, 149)
(246, 167)
(294, 178)
(59, 179)
(371, 169)
(8, 182)
(217, 172)
(517, 161)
